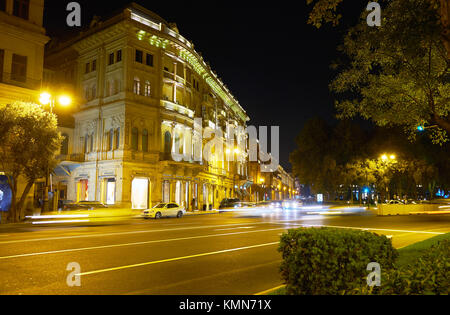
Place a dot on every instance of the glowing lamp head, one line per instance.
(392, 157)
(384, 157)
(45, 98)
(64, 100)
(421, 128)
(236, 151)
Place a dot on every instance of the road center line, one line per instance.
(176, 259)
(127, 233)
(133, 244)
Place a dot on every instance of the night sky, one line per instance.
(275, 64)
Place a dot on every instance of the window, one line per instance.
(145, 140)
(139, 56)
(20, 8)
(117, 138)
(147, 89)
(92, 143)
(94, 92)
(149, 60)
(137, 86)
(19, 68)
(86, 141)
(110, 140)
(111, 59)
(167, 142)
(87, 68)
(134, 139)
(94, 65)
(119, 56)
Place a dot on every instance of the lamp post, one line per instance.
(47, 99)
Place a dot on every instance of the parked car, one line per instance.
(228, 203)
(164, 210)
(243, 204)
(84, 205)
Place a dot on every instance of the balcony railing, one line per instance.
(78, 158)
(20, 81)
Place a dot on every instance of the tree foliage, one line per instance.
(29, 139)
(396, 74)
(331, 159)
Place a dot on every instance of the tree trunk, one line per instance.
(13, 210)
(19, 207)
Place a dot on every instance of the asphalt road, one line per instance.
(221, 254)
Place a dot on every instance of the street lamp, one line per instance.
(48, 99)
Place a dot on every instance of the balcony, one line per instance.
(177, 108)
(20, 81)
(75, 158)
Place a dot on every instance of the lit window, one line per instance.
(137, 86)
(147, 89)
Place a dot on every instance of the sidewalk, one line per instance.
(198, 212)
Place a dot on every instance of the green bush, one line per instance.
(331, 261)
(429, 275)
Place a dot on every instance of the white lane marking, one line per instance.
(236, 228)
(133, 244)
(176, 259)
(125, 233)
(270, 290)
(372, 229)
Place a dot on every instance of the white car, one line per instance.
(164, 210)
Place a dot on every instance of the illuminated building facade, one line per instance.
(140, 86)
(22, 41)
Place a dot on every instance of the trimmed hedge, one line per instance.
(330, 261)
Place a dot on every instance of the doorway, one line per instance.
(139, 193)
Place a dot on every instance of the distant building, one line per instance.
(139, 85)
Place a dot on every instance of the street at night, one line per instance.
(221, 254)
(187, 151)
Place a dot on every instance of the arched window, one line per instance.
(117, 138)
(167, 142)
(111, 140)
(92, 144)
(134, 139)
(86, 144)
(65, 144)
(145, 140)
(137, 86)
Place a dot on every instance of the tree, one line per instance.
(325, 11)
(29, 139)
(397, 74)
